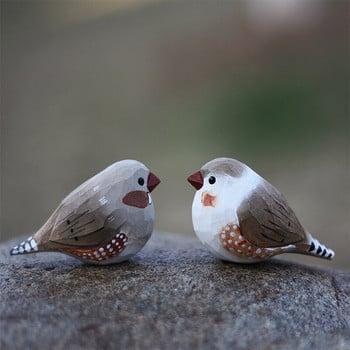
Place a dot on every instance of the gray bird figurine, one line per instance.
(106, 220)
(241, 217)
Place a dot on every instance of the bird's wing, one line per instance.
(266, 219)
(87, 224)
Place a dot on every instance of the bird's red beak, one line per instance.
(152, 182)
(196, 180)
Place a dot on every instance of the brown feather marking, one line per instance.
(231, 239)
(101, 252)
(77, 225)
(266, 220)
(227, 166)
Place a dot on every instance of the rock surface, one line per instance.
(172, 295)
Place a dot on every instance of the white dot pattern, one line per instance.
(103, 252)
(232, 240)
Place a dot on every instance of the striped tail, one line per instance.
(320, 250)
(27, 246)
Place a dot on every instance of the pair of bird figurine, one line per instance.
(236, 214)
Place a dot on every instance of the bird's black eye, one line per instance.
(212, 180)
(141, 181)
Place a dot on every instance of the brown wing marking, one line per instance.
(85, 228)
(266, 219)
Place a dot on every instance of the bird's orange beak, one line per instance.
(152, 182)
(196, 180)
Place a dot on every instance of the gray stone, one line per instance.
(172, 295)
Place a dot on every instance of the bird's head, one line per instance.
(215, 177)
(140, 182)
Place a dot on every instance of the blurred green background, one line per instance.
(175, 84)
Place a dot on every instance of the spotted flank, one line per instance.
(103, 252)
(318, 249)
(27, 246)
(232, 240)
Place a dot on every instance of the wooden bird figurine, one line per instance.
(241, 217)
(106, 220)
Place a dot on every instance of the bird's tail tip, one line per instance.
(320, 250)
(27, 246)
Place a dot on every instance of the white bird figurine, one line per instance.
(241, 217)
(106, 220)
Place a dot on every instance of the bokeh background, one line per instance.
(175, 84)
